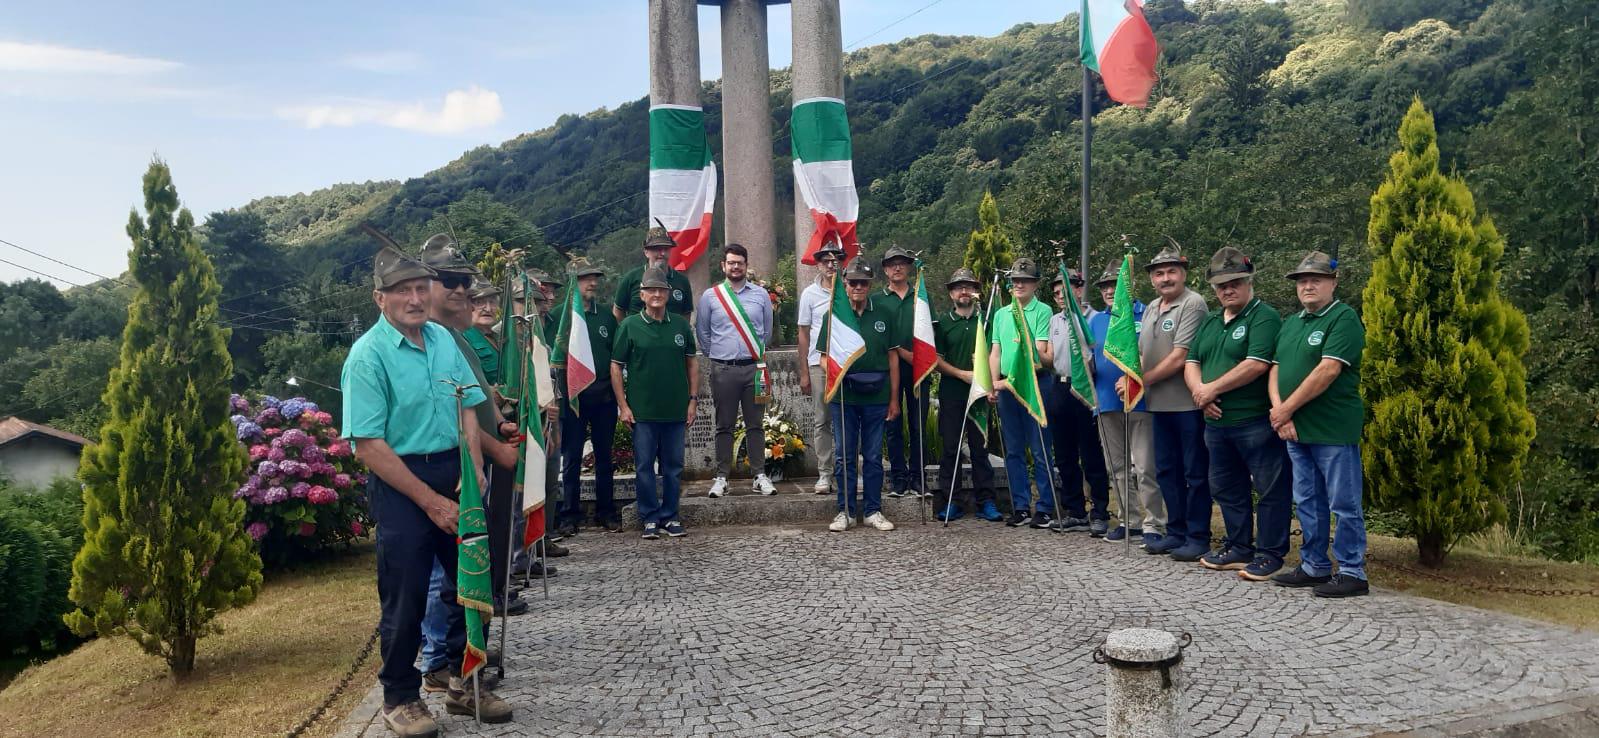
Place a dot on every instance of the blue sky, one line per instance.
(251, 99)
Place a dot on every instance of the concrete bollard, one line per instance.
(1145, 685)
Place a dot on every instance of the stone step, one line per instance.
(786, 508)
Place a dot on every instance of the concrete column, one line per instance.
(675, 78)
(818, 72)
(747, 133)
(1145, 684)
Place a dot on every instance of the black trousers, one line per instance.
(904, 434)
(1076, 436)
(407, 544)
(499, 507)
(950, 417)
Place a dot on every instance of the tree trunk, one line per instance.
(181, 659)
(1430, 547)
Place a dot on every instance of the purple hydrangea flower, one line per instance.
(247, 431)
(275, 495)
(295, 437)
(238, 404)
(269, 416)
(271, 402)
(257, 530)
(241, 492)
(276, 454)
(312, 454)
(300, 490)
(292, 408)
(237, 419)
(267, 469)
(310, 406)
(341, 481)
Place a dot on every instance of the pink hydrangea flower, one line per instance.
(273, 432)
(258, 452)
(341, 481)
(325, 418)
(307, 529)
(320, 495)
(300, 490)
(257, 530)
(276, 454)
(356, 527)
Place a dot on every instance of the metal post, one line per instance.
(955, 479)
(921, 452)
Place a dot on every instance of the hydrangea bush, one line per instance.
(305, 489)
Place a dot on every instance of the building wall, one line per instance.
(38, 460)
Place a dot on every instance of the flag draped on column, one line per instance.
(1118, 43)
(824, 175)
(682, 180)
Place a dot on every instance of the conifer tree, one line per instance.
(164, 545)
(1442, 376)
(988, 248)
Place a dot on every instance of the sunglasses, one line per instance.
(854, 283)
(454, 281)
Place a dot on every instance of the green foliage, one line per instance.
(244, 257)
(1442, 372)
(478, 222)
(68, 389)
(164, 546)
(308, 357)
(988, 249)
(39, 533)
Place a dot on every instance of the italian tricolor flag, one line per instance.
(572, 345)
(682, 180)
(842, 338)
(924, 351)
(538, 392)
(1118, 43)
(824, 176)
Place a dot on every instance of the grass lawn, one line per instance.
(275, 662)
(1469, 567)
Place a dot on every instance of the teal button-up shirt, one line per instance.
(393, 389)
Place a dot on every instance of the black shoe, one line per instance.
(1342, 586)
(515, 607)
(556, 550)
(614, 525)
(1041, 520)
(1298, 578)
(536, 569)
(1018, 519)
(566, 531)
(1098, 528)
(1069, 524)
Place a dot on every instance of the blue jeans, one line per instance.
(858, 433)
(435, 625)
(1245, 458)
(905, 434)
(594, 420)
(1022, 434)
(1182, 472)
(1327, 479)
(658, 449)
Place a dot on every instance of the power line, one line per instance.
(42, 274)
(47, 257)
(858, 41)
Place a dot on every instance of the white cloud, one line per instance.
(48, 58)
(462, 110)
(384, 62)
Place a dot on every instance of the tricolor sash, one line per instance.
(746, 333)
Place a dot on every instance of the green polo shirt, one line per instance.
(1335, 417)
(955, 338)
(602, 330)
(902, 312)
(1006, 336)
(653, 353)
(1221, 344)
(878, 335)
(488, 355)
(677, 301)
(392, 389)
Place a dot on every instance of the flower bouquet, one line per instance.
(784, 450)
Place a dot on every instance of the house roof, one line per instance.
(13, 429)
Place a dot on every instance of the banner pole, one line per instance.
(1127, 486)
(955, 478)
(1088, 139)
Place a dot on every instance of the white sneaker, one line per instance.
(764, 485)
(822, 487)
(841, 522)
(876, 520)
(719, 487)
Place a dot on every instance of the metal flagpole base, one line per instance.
(544, 569)
(477, 696)
(955, 479)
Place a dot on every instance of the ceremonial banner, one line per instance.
(1078, 343)
(472, 586)
(982, 382)
(1121, 338)
(1022, 374)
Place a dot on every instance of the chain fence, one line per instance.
(344, 683)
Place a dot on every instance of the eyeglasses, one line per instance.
(857, 284)
(454, 281)
(830, 261)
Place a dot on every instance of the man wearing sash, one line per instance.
(733, 322)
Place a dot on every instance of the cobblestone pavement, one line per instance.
(981, 630)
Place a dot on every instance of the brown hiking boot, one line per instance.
(438, 680)
(411, 720)
(459, 701)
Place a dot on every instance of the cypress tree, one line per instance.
(988, 248)
(1448, 424)
(164, 545)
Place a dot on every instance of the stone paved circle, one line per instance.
(981, 630)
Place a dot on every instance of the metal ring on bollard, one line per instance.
(1164, 665)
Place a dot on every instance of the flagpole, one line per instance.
(955, 479)
(1127, 459)
(1088, 139)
